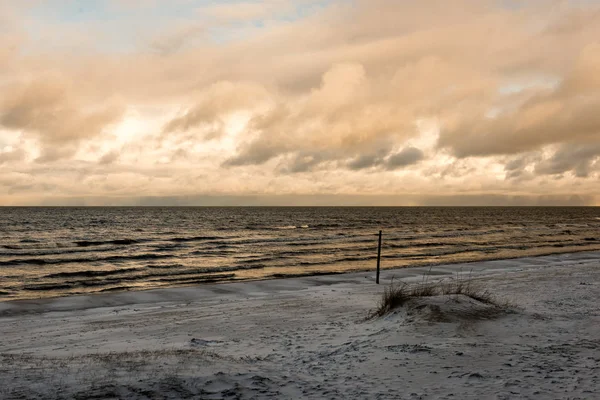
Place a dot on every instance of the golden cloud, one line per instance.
(334, 96)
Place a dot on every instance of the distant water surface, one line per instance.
(64, 251)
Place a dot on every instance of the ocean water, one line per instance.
(64, 251)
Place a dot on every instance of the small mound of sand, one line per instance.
(452, 308)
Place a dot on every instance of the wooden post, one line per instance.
(378, 258)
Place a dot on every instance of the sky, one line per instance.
(299, 102)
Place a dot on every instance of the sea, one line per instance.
(61, 251)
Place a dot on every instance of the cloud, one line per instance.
(341, 118)
(48, 110)
(576, 158)
(303, 162)
(109, 157)
(11, 155)
(517, 167)
(381, 159)
(567, 114)
(365, 161)
(473, 100)
(255, 153)
(408, 156)
(214, 104)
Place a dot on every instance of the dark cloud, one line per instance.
(515, 168)
(109, 158)
(404, 158)
(304, 162)
(517, 164)
(371, 157)
(255, 153)
(576, 158)
(365, 161)
(408, 156)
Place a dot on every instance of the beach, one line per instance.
(309, 337)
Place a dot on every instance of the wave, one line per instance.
(165, 266)
(195, 238)
(337, 260)
(202, 270)
(112, 274)
(238, 268)
(421, 245)
(49, 251)
(290, 227)
(42, 261)
(117, 289)
(121, 242)
(208, 279)
(455, 233)
(166, 248)
(305, 243)
(185, 277)
(258, 260)
(91, 273)
(48, 286)
(183, 273)
(259, 227)
(329, 226)
(217, 252)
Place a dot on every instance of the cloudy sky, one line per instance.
(299, 102)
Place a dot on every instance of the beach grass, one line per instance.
(398, 294)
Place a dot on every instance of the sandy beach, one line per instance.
(308, 338)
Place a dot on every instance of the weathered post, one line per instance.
(378, 258)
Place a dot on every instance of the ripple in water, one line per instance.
(61, 251)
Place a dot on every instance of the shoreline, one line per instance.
(64, 253)
(197, 292)
(209, 280)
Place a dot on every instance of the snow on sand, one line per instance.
(308, 338)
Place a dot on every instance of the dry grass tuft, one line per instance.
(396, 295)
(468, 287)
